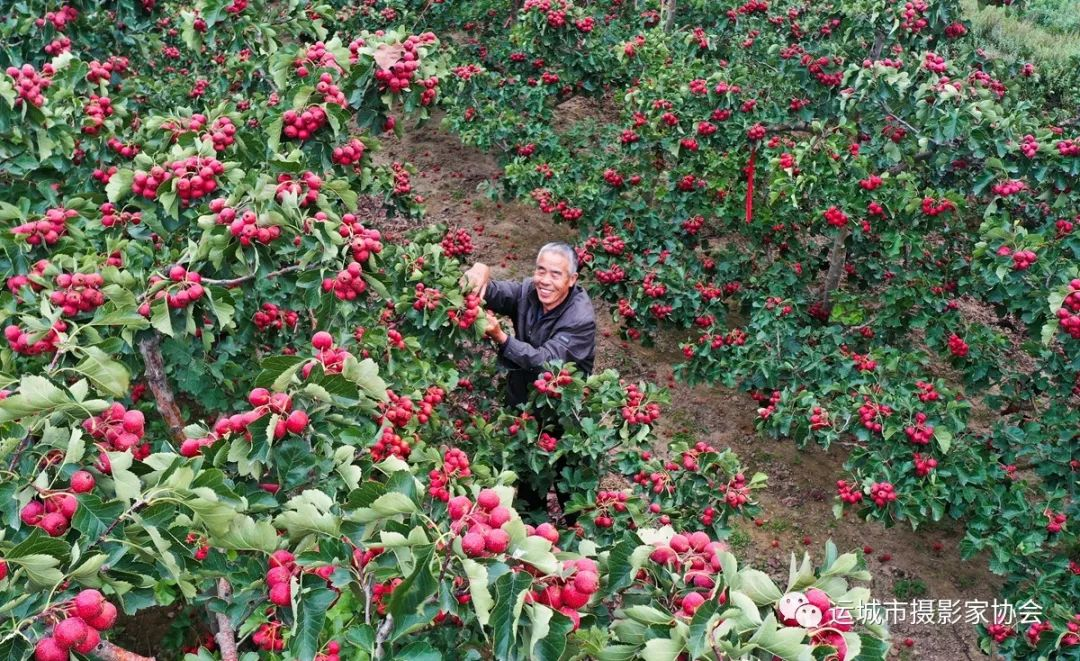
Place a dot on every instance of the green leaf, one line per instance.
(247, 534)
(40, 569)
(89, 567)
(648, 615)
(758, 586)
(119, 184)
(785, 642)
(552, 643)
(36, 395)
(385, 506)
(509, 598)
(624, 561)
(944, 438)
(408, 597)
(278, 371)
(310, 618)
(39, 543)
(94, 516)
(478, 590)
(661, 649)
(418, 651)
(108, 375)
(698, 639)
(160, 318)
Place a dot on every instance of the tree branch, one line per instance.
(225, 636)
(383, 633)
(106, 651)
(837, 257)
(251, 276)
(150, 348)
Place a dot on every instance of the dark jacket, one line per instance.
(566, 333)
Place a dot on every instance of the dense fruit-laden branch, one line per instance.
(150, 348)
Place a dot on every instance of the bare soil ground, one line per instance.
(797, 505)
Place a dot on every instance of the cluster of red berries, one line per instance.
(932, 207)
(398, 75)
(767, 403)
(103, 176)
(657, 481)
(567, 592)
(303, 124)
(927, 393)
(52, 513)
(871, 183)
(1069, 312)
(849, 493)
(1069, 147)
(470, 314)
(195, 177)
(279, 577)
(694, 555)
(390, 444)
(88, 615)
(552, 384)
(402, 182)
(222, 134)
(1000, 632)
(457, 243)
(364, 242)
(331, 358)
(693, 225)
(611, 276)
(1029, 146)
(33, 343)
(306, 188)
(348, 154)
(1055, 521)
(121, 429)
(330, 91)
(652, 288)
(1023, 259)
(271, 316)
(455, 465)
(836, 217)
(268, 637)
(189, 289)
(146, 184)
(882, 493)
(128, 150)
(606, 501)
(59, 45)
(481, 522)
(736, 492)
(957, 346)
(317, 55)
(110, 217)
(819, 419)
(77, 292)
(96, 109)
(1009, 187)
(102, 72)
(920, 433)
(923, 465)
(914, 16)
(399, 410)
(29, 84)
(17, 282)
(547, 442)
(49, 229)
(426, 298)
(636, 411)
(691, 455)
(871, 414)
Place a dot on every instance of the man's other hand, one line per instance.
(494, 329)
(478, 276)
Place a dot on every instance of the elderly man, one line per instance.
(553, 317)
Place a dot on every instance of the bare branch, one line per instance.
(150, 348)
(225, 636)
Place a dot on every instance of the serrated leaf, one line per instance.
(310, 618)
(478, 589)
(385, 506)
(105, 373)
(410, 595)
(40, 569)
(759, 587)
(247, 534)
(661, 649)
(509, 598)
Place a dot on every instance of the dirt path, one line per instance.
(797, 505)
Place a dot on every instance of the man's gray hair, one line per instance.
(564, 249)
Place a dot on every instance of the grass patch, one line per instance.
(1013, 35)
(905, 589)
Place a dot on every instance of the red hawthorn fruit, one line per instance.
(90, 642)
(82, 482)
(104, 620)
(48, 649)
(70, 632)
(296, 422)
(488, 499)
(89, 604)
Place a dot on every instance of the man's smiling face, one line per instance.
(552, 279)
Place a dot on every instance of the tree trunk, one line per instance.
(837, 258)
(669, 15)
(150, 348)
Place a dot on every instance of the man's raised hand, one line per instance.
(478, 276)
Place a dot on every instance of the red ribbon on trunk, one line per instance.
(750, 185)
